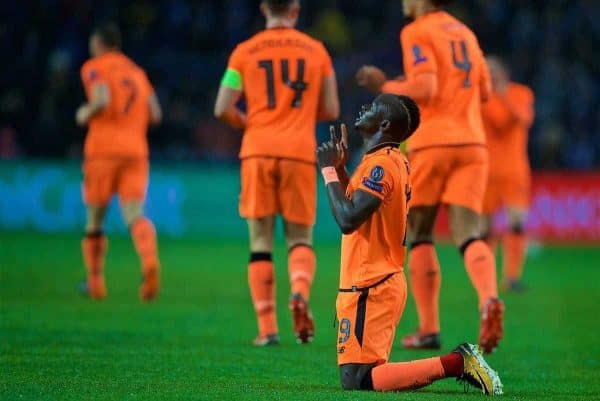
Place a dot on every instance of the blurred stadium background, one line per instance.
(184, 45)
(47, 333)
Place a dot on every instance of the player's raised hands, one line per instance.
(333, 153)
(371, 78)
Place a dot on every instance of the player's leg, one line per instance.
(259, 207)
(132, 186)
(364, 365)
(428, 174)
(492, 203)
(297, 197)
(514, 244)
(261, 278)
(464, 194)
(425, 278)
(97, 191)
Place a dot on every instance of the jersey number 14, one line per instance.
(298, 86)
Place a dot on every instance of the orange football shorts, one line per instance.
(272, 186)
(104, 177)
(368, 319)
(454, 175)
(513, 191)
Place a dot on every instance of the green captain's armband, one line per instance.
(232, 79)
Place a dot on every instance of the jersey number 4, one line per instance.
(298, 86)
(465, 64)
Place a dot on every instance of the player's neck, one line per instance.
(279, 22)
(424, 9)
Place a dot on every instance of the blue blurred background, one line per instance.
(184, 45)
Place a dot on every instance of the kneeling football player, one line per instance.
(370, 209)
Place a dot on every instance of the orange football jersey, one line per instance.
(282, 70)
(378, 247)
(439, 44)
(120, 129)
(507, 120)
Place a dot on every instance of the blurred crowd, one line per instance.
(184, 45)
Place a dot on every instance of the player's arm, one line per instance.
(329, 102)
(349, 213)
(155, 109)
(226, 108)
(521, 107)
(98, 100)
(420, 67)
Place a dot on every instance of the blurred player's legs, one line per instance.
(453, 176)
(301, 267)
(129, 179)
(511, 192)
(93, 247)
(261, 278)
(272, 186)
(514, 246)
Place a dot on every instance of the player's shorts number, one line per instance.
(131, 88)
(465, 64)
(344, 331)
(298, 86)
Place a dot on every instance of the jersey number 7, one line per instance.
(298, 86)
(131, 89)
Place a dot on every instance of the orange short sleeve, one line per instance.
(91, 74)
(236, 60)
(417, 52)
(327, 68)
(377, 177)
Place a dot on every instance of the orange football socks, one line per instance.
(407, 375)
(425, 281)
(514, 248)
(481, 268)
(261, 279)
(302, 264)
(93, 247)
(144, 238)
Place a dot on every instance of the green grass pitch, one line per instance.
(194, 342)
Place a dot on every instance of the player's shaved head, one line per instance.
(280, 7)
(109, 34)
(396, 117)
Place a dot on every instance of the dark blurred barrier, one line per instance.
(197, 201)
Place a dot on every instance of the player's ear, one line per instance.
(385, 125)
(264, 9)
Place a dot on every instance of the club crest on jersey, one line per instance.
(418, 53)
(377, 173)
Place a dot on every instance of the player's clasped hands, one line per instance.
(371, 78)
(335, 151)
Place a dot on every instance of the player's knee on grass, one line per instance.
(131, 212)
(95, 218)
(260, 232)
(356, 376)
(298, 234)
(421, 220)
(465, 224)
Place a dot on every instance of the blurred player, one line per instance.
(507, 117)
(447, 75)
(370, 209)
(288, 82)
(121, 103)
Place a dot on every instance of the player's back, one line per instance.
(282, 70)
(377, 247)
(121, 127)
(507, 136)
(453, 115)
